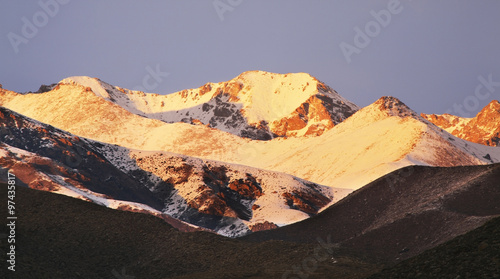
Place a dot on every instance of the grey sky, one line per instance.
(429, 55)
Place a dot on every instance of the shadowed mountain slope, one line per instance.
(404, 213)
(62, 237)
(473, 255)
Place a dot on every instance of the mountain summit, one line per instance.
(256, 104)
(394, 107)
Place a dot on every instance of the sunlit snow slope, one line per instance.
(376, 140)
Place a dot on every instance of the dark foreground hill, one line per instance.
(62, 237)
(404, 213)
(473, 255)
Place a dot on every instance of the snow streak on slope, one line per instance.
(257, 197)
(256, 104)
(46, 174)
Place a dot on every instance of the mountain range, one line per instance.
(348, 155)
(229, 199)
(263, 157)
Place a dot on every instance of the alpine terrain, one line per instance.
(229, 199)
(309, 183)
(343, 156)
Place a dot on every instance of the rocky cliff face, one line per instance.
(484, 128)
(316, 115)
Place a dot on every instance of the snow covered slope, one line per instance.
(78, 110)
(229, 199)
(378, 139)
(242, 198)
(256, 104)
(484, 128)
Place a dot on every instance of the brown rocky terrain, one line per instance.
(484, 128)
(62, 237)
(47, 158)
(224, 191)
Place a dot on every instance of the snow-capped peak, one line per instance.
(384, 107)
(96, 85)
(394, 107)
(256, 104)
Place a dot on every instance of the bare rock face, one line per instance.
(246, 188)
(296, 121)
(264, 226)
(307, 202)
(218, 191)
(46, 88)
(443, 121)
(394, 107)
(484, 128)
(318, 114)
